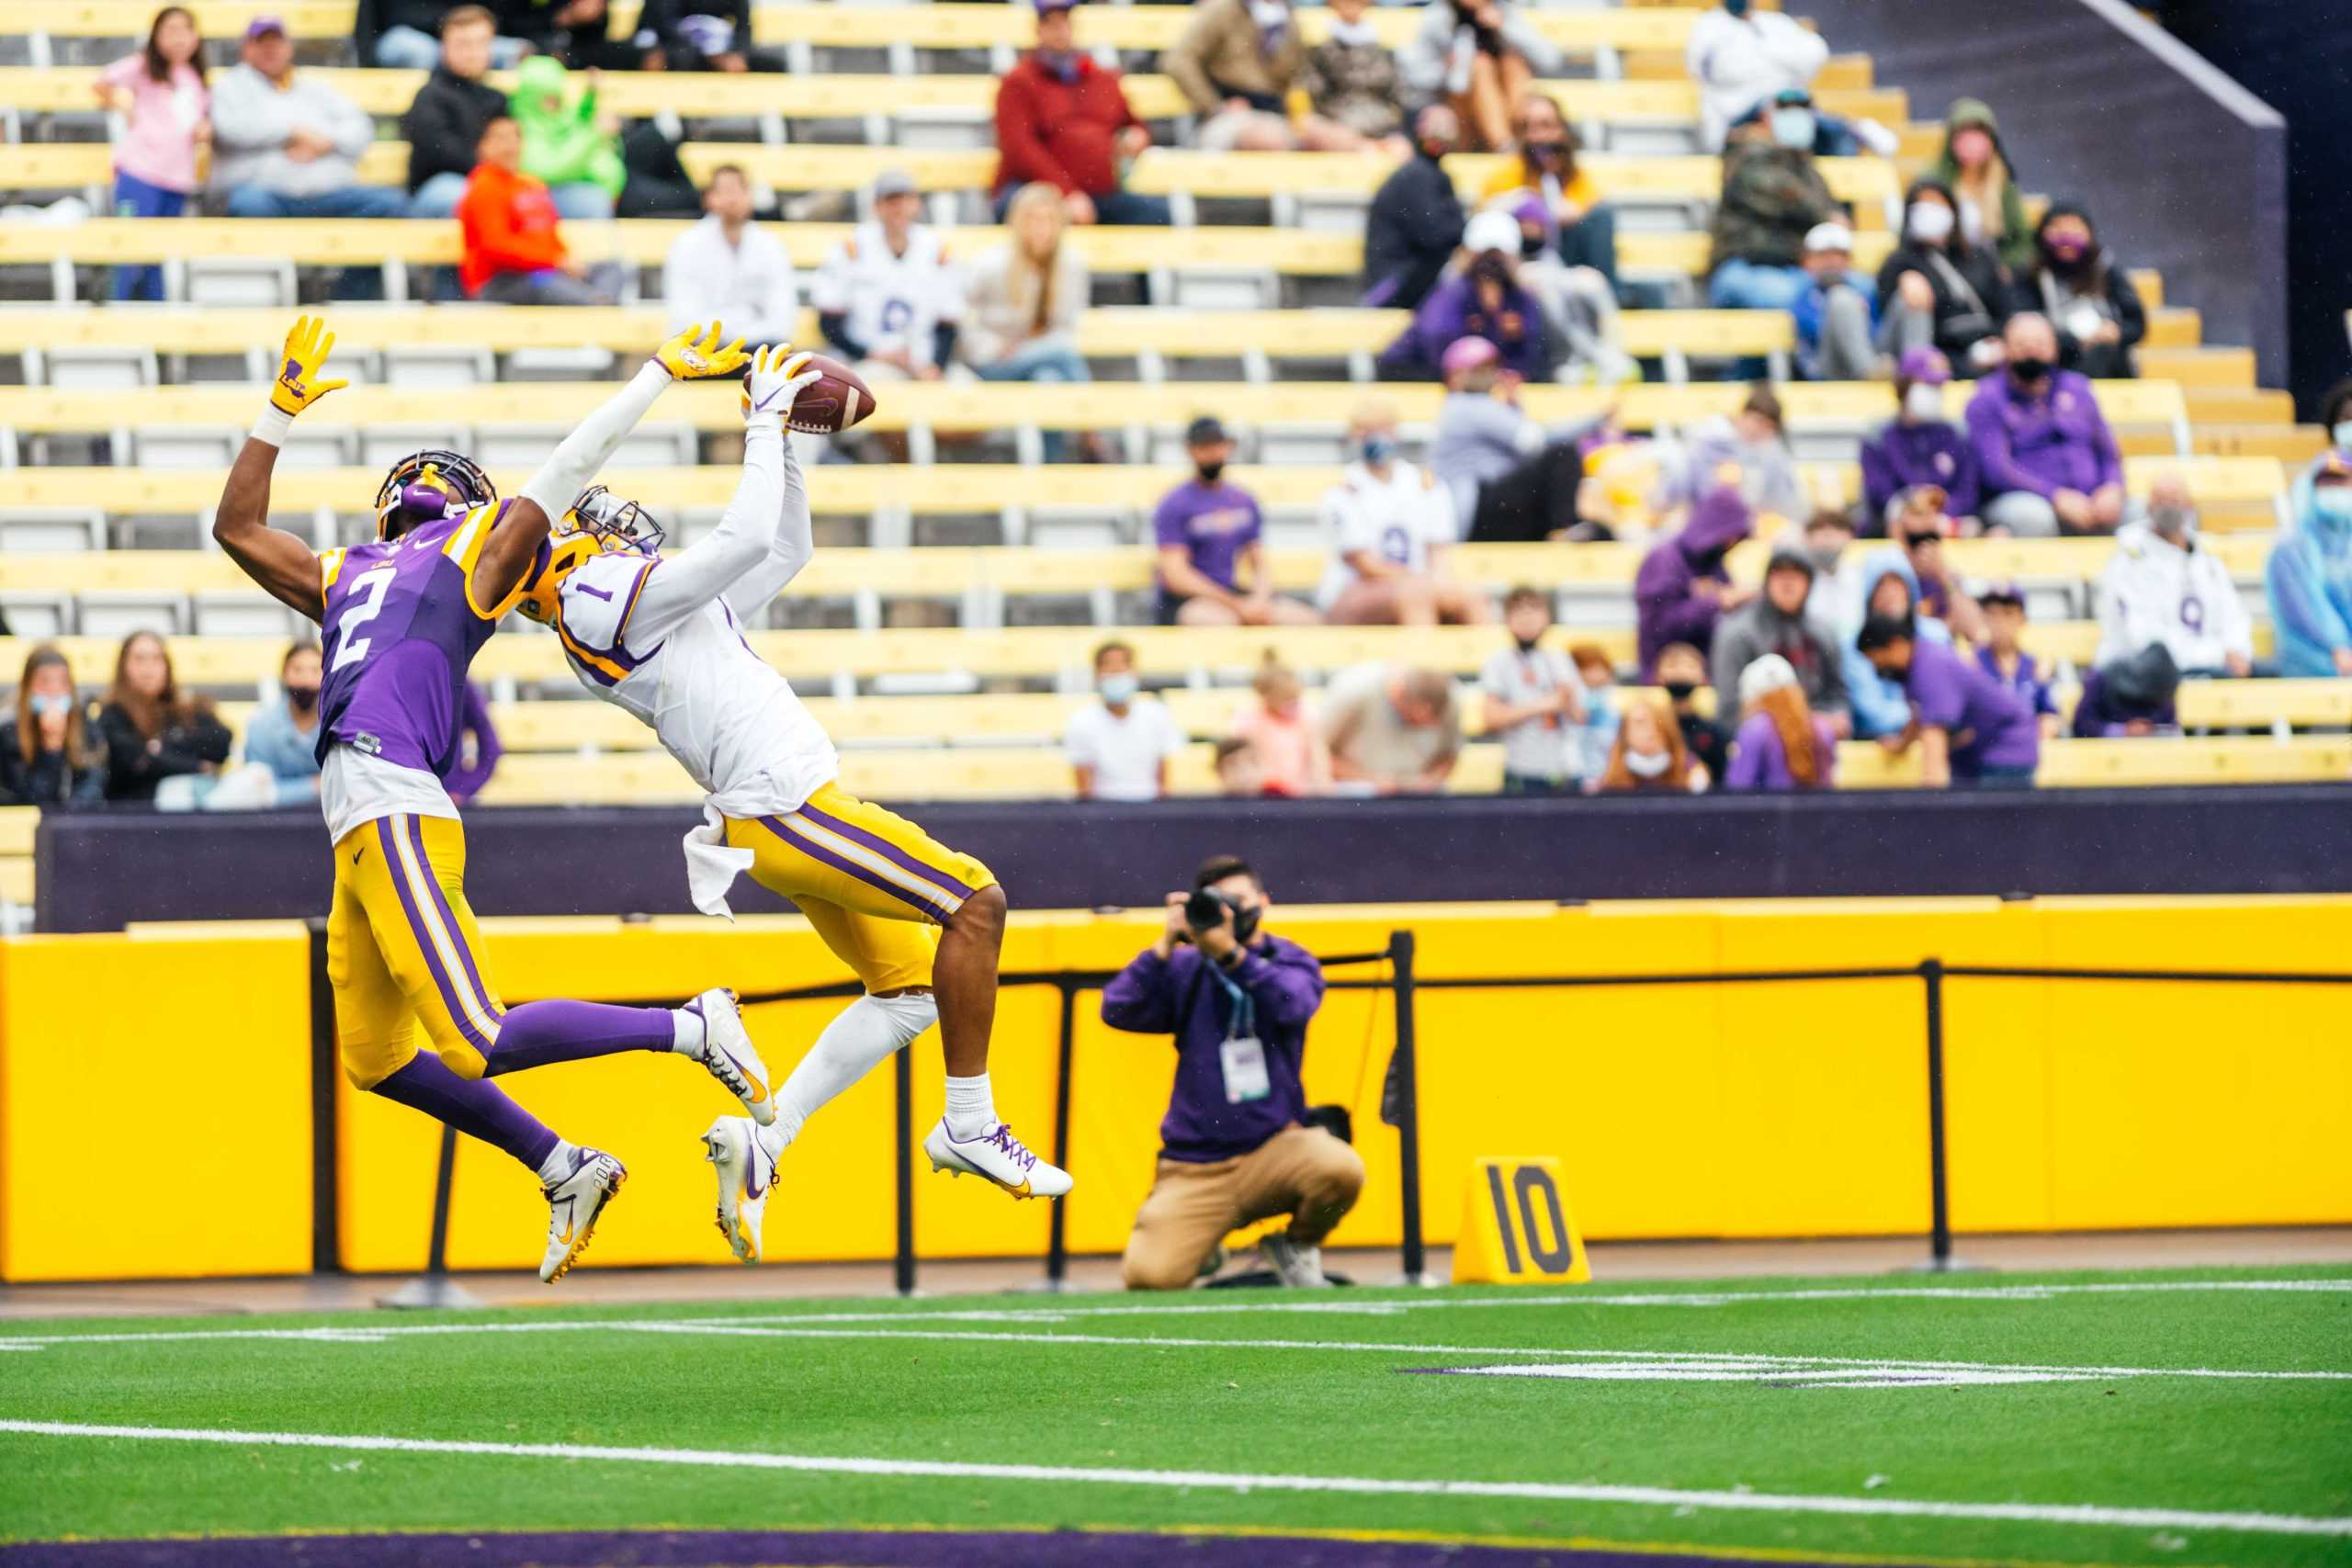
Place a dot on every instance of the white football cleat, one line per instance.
(574, 1205)
(746, 1175)
(1295, 1263)
(728, 1052)
(998, 1156)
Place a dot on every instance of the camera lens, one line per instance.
(1204, 909)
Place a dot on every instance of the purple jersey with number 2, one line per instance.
(401, 629)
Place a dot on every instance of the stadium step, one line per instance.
(2210, 403)
(2294, 447)
(2200, 367)
(2176, 326)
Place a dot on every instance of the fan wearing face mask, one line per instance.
(1773, 196)
(2048, 459)
(1487, 298)
(2162, 586)
(283, 736)
(1918, 446)
(1478, 57)
(1940, 290)
(2309, 574)
(2089, 299)
(48, 754)
(1740, 56)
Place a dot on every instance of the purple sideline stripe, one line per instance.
(392, 853)
(850, 868)
(458, 937)
(884, 847)
(836, 1549)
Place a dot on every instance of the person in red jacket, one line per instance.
(513, 254)
(1064, 119)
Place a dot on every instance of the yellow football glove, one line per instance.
(297, 385)
(696, 356)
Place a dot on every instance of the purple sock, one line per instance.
(426, 1084)
(537, 1033)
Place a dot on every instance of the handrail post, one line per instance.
(905, 1255)
(1058, 1227)
(1404, 1077)
(1931, 972)
(327, 1074)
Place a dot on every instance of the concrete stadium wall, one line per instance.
(1755, 1111)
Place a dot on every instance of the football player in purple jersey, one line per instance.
(402, 617)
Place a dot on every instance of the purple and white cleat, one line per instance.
(746, 1177)
(574, 1205)
(728, 1052)
(998, 1156)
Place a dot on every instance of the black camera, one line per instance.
(1207, 909)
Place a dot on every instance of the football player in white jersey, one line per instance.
(662, 637)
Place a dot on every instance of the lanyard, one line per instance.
(1244, 1022)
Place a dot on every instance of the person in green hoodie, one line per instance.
(1976, 167)
(567, 143)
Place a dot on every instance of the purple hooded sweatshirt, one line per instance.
(2046, 443)
(1452, 313)
(1761, 761)
(1665, 598)
(1898, 457)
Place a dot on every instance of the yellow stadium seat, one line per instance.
(2222, 704)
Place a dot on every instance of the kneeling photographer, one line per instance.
(1236, 1142)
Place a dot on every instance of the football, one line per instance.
(838, 399)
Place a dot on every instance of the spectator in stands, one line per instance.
(569, 144)
(1970, 728)
(444, 122)
(2130, 697)
(1238, 776)
(1921, 528)
(2000, 656)
(477, 748)
(1210, 535)
(1236, 63)
(1648, 756)
(1352, 84)
(1486, 299)
(1027, 296)
(1579, 306)
(1977, 178)
(2161, 586)
(1239, 1144)
(1293, 757)
(1513, 479)
(1837, 312)
(2086, 294)
(1118, 747)
(1393, 729)
(1781, 743)
(1392, 530)
(1918, 446)
(1535, 700)
(2309, 572)
(46, 755)
(1741, 58)
(1682, 589)
(1580, 228)
(513, 253)
(887, 296)
(1591, 741)
(1681, 675)
(2046, 457)
(1836, 580)
(1937, 290)
(700, 35)
(1478, 56)
(283, 736)
(1750, 449)
(1890, 589)
(1415, 222)
(726, 268)
(414, 35)
(152, 732)
(1774, 196)
(1065, 121)
(166, 113)
(2335, 417)
(577, 32)
(1775, 623)
(286, 144)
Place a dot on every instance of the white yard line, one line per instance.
(366, 1332)
(1225, 1481)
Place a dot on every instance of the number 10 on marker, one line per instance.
(1516, 1226)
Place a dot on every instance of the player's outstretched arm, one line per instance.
(694, 354)
(792, 543)
(742, 543)
(276, 559)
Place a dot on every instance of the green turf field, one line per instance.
(2200, 1417)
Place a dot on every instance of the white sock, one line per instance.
(971, 1108)
(861, 1037)
(688, 1031)
(559, 1163)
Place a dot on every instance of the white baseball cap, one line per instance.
(1829, 237)
(1492, 232)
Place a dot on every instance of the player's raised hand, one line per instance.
(297, 385)
(774, 380)
(695, 355)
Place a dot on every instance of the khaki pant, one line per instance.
(1303, 1171)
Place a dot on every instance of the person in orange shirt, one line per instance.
(1291, 754)
(513, 254)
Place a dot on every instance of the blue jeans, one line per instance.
(1591, 242)
(438, 196)
(1118, 207)
(134, 198)
(1750, 286)
(351, 201)
(408, 49)
(583, 202)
